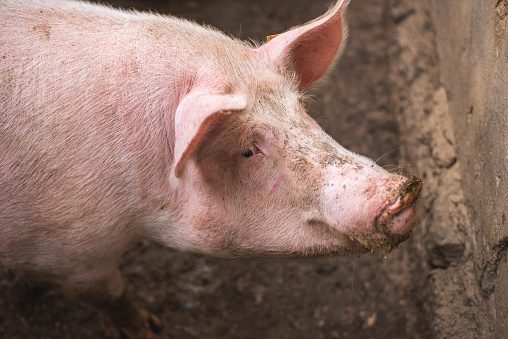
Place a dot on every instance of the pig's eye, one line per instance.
(251, 151)
(248, 153)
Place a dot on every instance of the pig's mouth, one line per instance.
(395, 222)
(386, 245)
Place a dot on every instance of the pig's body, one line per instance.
(116, 126)
(83, 150)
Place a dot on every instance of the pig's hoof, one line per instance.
(149, 325)
(150, 320)
(144, 326)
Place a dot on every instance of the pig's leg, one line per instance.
(104, 289)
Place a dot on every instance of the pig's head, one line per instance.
(255, 175)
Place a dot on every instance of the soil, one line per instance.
(204, 297)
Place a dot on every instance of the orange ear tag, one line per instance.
(270, 37)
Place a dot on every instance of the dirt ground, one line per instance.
(203, 297)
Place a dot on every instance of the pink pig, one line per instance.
(117, 126)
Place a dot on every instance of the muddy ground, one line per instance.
(203, 297)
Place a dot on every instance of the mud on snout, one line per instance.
(395, 222)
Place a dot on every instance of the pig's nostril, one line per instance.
(409, 194)
(411, 189)
(400, 217)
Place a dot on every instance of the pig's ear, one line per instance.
(311, 49)
(196, 114)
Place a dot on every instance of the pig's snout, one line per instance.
(400, 217)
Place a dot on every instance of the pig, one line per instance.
(117, 126)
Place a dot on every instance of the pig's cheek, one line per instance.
(253, 171)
